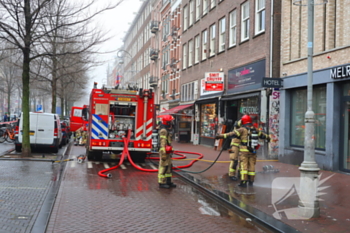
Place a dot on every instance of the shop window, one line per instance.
(209, 120)
(299, 108)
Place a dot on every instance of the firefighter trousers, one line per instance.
(164, 171)
(247, 165)
(233, 161)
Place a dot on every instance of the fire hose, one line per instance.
(181, 153)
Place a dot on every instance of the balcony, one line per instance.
(154, 54)
(154, 26)
(153, 81)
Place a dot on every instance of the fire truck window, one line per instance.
(102, 109)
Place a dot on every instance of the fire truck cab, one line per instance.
(111, 113)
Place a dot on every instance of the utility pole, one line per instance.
(309, 204)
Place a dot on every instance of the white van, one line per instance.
(45, 131)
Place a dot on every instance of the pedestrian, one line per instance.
(165, 132)
(5, 117)
(249, 136)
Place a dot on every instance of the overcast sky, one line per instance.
(117, 22)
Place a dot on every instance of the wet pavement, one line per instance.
(265, 198)
(24, 187)
(131, 201)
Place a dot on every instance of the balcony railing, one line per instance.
(153, 81)
(154, 26)
(154, 54)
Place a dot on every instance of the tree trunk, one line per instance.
(26, 151)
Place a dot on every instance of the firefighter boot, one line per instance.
(171, 184)
(243, 184)
(233, 178)
(164, 186)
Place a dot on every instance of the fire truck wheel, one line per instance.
(138, 157)
(98, 155)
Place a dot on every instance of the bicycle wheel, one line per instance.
(2, 138)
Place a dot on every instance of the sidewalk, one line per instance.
(267, 192)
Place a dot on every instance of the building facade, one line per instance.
(238, 41)
(331, 84)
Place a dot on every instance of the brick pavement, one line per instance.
(132, 202)
(23, 189)
(334, 207)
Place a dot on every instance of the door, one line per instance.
(43, 125)
(345, 135)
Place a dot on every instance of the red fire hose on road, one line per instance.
(126, 153)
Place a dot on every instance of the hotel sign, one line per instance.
(340, 72)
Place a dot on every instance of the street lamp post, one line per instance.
(308, 204)
(121, 56)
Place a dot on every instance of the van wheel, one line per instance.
(55, 149)
(18, 148)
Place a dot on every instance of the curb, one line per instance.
(256, 215)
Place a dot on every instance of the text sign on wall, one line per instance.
(214, 81)
(340, 72)
(272, 82)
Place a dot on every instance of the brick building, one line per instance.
(331, 84)
(237, 44)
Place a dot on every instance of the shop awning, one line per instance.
(176, 109)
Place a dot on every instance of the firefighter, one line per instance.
(234, 154)
(249, 136)
(165, 132)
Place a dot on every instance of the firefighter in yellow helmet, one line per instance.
(165, 132)
(234, 154)
(249, 136)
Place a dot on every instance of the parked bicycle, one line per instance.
(7, 134)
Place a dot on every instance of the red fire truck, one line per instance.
(111, 113)
(75, 120)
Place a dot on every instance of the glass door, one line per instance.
(345, 148)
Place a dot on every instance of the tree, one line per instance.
(27, 26)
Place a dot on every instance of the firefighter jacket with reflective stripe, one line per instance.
(164, 139)
(243, 134)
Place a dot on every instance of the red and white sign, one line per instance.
(214, 81)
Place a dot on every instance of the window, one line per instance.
(222, 38)
(196, 49)
(190, 52)
(188, 92)
(204, 44)
(185, 18)
(245, 21)
(205, 6)
(299, 107)
(165, 84)
(212, 40)
(198, 6)
(233, 28)
(259, 16)
(212, 4)
(184, 56)
(191, 13)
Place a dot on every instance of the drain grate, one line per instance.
(23, 217)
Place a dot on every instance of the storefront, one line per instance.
(207, 111)
(331, 106)
(245, 95)
(183, 115)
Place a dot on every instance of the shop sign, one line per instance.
(249, 110)
(246, 78)
(340, 72)
(204, 91)
(214, 81)
(272, 82)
